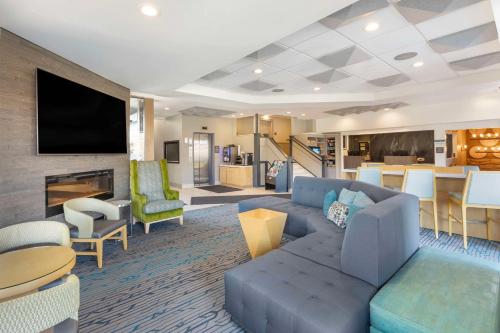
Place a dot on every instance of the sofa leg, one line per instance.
(181, 220)
(146, 228)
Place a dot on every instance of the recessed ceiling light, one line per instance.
(258, 71)
(418, 64)
(241, 114)
(372, 26)
(288, 112)
(303, 114)
(317, 88)
(387, 109)
(166, 108)
(149, 10)
(233, 115)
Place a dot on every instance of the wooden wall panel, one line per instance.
(22, 172)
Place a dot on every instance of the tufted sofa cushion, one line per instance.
(309, 191)
(321, 248)
(282, 292)
(260, 202)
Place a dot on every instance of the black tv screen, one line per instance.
(74, 119)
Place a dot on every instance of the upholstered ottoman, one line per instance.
(437, 291)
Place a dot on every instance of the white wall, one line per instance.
(167, 129)
(300, 126)
(473, 112)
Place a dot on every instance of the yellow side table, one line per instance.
(263, 229)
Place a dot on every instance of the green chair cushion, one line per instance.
(158, 206)
(437, 291)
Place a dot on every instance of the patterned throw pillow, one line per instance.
(330, 197)
(337, 213)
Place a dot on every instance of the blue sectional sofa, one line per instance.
(323, 280)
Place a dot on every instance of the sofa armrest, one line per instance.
(138, 202)
(381, 238)
(171, 194)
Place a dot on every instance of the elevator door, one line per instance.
(202, 161)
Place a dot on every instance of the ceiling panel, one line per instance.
(416, 11)
(237, 65)
(342, 58)
(370, 70)
(393, 40)
(282, 77)
(304, 34)
(287, 59)
(325, 43)
(388, 19)
(459, 20)
(308, 68)
(465, 39)
(490, 47)
(353, 12)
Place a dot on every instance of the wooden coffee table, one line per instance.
(263, 230)
(26, 270)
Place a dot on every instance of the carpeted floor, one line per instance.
(219, 188)
(172, 279)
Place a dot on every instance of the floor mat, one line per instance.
(219, 188)
(226, 199)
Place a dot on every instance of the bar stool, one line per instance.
(422, 183)
(480, 191)
(370, 175)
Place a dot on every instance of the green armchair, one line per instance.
(152, 199)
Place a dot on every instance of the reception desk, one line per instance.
(445, 182)
(236, 175)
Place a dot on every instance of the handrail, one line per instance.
(275, 144)
(303, 146)
(312, 173)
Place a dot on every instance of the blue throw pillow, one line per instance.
(362, 200)
(347, 197)
(330, 197)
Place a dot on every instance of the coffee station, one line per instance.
(236, 168)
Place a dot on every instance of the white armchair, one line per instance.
(86, 230)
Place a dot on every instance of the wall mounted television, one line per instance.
(73, 119)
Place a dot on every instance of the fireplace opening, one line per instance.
(91, 184)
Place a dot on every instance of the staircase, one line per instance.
(271, 150)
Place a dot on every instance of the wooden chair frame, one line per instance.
(464, 206)
(433, 200)
(99, 243)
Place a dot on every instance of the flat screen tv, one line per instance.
(73, 119)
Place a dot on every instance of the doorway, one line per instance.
(203, 159)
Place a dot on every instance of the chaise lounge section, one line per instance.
(323, 280)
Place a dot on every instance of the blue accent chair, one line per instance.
(422, 183)
(370, 175)
(480, 191)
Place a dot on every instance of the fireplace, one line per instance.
(91, 184)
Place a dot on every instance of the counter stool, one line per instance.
(422, 183)
(480, 191)
(370, 175)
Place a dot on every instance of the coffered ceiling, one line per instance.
(364, 52)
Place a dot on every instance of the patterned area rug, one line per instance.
(172, 280)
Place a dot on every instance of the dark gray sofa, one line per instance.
(323, 280)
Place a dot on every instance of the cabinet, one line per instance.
(241, 176)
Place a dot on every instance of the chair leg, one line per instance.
(181, 219)
(99, 244)
(464, 225)
(450, 222)
(124, 237)
(146, 228)
(436, 225)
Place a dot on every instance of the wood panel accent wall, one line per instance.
(149, 128)
(22, 172)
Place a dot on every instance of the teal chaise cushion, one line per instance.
(438, 291)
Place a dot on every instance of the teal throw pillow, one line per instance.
(330, 197)
(347, 197)
(362, 200)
